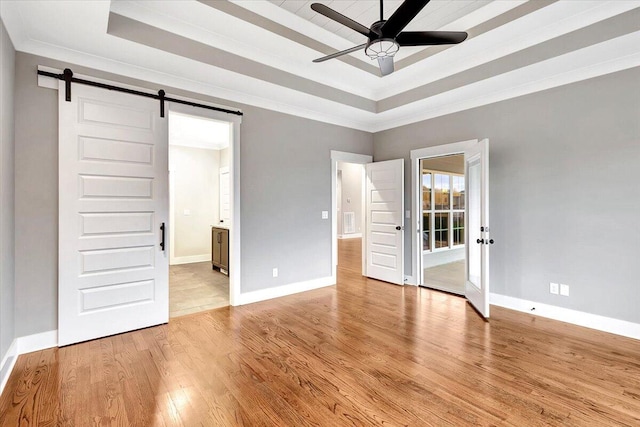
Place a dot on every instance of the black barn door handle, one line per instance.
(162, 236)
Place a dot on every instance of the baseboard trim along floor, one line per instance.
(575, 317)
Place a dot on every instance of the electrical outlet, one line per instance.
(553, 288)
(325, 214)
(564, 290)
(275, 272)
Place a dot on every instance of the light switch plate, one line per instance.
(553, 288)
(325, 214)
(564, 290)
(187, 212)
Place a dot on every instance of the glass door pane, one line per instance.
(475, 257)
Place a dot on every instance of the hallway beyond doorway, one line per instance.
(350, 254)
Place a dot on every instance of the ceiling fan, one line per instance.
(386, 36)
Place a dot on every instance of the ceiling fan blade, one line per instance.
(401, 17)
(386, 65)
(338, 17)
(427, 38)
(342, 52)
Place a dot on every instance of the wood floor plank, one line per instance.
(358, 354)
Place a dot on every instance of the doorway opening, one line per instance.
(459, 220)
(199, 217)
(359, 160)
(350, 214)
(442, 223)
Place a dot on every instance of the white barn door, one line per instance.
(385, 222)
(113, 201)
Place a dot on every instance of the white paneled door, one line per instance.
(385, 222)
(477, 227)
(113, 204)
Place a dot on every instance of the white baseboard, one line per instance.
(580, 318)
(190, 259)
(22, 345)
(350, 236)
(284, 290)
(37, 342)
(8, 362)
(410, 280)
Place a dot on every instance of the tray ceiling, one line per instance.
(260, 52)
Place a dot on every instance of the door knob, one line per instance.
(491, 241)
(480, 241)
(398, 227)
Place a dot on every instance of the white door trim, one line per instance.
(416, 156)
(234, 166)
(342, 156)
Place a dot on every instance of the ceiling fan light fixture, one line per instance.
(381, 48)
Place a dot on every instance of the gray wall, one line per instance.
(285, 184)
(564, 190)
(7, 285)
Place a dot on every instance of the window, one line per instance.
(458, 192)
(426, 235)
(442, 210)
(426, 206)
(426, 191)
(441, 191)
(441, 230)
(458, 228)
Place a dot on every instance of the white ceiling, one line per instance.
(259, 52)
(437, 15)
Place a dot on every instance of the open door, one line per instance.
(385, 222)
(113, 209)
(477, 227)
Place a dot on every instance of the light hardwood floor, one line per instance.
(196, 287)
(357, 354)
(350, 254)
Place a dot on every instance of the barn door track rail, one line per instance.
(67, 76)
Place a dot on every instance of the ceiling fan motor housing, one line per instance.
(375, 31)
(379, 46)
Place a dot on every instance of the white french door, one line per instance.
(113, 205)
(477, 228)
(385, 222)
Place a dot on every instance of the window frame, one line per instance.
(432, 212)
